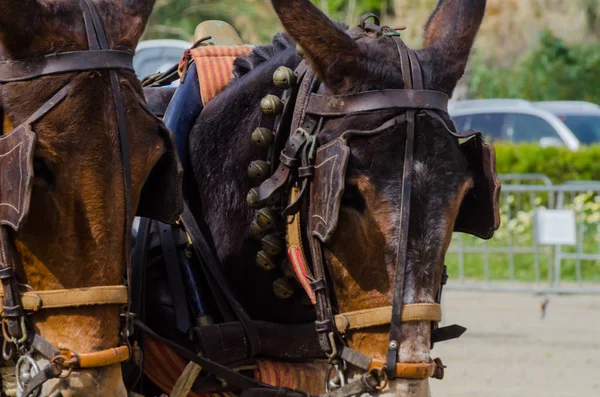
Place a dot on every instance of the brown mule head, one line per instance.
(74, 235)
(361, 254)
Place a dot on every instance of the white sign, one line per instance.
(555, 227)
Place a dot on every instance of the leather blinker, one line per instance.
(162, 195)
(16, 175)
(479, 213)
(328, 187)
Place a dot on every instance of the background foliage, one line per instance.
(559, 164)
(552, 70)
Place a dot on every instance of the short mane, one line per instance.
(261, 54)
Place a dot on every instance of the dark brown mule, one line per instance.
(76, 232)
(361, 256)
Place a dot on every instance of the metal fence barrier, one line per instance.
(518, 258)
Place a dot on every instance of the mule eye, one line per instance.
(42, 171)
(353, 198)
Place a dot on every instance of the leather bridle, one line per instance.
(304, 165)
(19, 339)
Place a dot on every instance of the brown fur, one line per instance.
(74, 236)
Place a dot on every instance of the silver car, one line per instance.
(515, 120)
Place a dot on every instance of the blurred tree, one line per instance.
(254, 19)
(553, 70)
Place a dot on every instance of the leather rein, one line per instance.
(19, 339)
(299, 166)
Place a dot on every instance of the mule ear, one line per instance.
(135, 15)
(18, 25)
(331, 53)
(449, 36)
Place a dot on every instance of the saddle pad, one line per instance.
(163, 367)
(215, 67)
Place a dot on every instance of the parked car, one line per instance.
(583, 118)
(152, 56)
(513, 120)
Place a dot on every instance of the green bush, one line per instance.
(553, 70)
(559, 164)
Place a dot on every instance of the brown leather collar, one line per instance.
(64, 62)
(342, 105)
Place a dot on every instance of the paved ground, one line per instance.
(509, 351)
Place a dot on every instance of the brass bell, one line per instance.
(300, 51)
(273, 245)
(283, 288)
(264, 261)
(284, 77)
(252, 198)
(271, 105)
(258, 170)
(257, 232)
(265, 218)
(262, 137)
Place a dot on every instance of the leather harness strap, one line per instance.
(369, 318)
(77, 297)
(401, 264)
(342, 105)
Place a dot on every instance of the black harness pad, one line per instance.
(326, 194)
(479, 213)
(16, 175)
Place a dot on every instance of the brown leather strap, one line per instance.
(76, 297)
(340, 105)
(376, 317)
(64, 62)
(103, 358)
(398, 297)
(408, 370)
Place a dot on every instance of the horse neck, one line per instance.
(221, 151)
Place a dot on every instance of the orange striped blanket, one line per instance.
(163, 367)
(214, 65)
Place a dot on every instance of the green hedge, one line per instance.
(559, 164)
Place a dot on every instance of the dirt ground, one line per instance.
(510, 351)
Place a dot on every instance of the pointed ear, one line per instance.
(139, 11)
(449, 36)
(131, 17)
(18, 25)
(331, 53)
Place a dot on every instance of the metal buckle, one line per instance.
(8, 352)
(128, 328)
(338, 380)
(25, 370)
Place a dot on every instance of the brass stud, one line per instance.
(265, 218)
(264, 261)
(283, 288)
(252, 198)
(284, 77)
(273, 245)
(271, 105)
(257, 232)
(300, 51)
(262, 137)
(259, 170)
